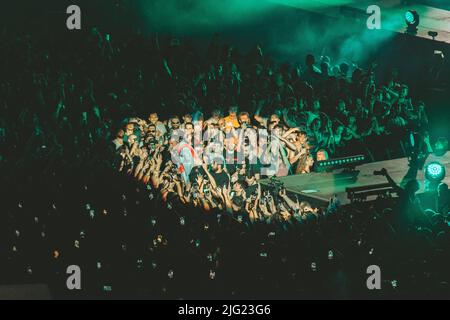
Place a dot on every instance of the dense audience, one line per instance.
(215, 168)
(81, 114)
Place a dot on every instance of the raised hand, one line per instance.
(199, 179)
(159, 159)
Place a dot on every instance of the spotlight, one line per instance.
(412, 21)
(434, 172)
(440, 146)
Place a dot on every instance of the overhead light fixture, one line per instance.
(434, 174)
(412, 20)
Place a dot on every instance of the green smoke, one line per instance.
(287, 36)
(191, 16)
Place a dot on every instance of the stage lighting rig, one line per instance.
(372, 192)
(347, 162)
(412, 20)
(434, 174)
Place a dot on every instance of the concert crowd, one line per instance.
(139, 159)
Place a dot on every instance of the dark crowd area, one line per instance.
(87, 128)
(129, 243)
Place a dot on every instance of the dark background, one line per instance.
(286, 33)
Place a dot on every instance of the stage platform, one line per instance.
(318, 188)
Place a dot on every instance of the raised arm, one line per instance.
(293, 205)
(210, 177)
(290, 123)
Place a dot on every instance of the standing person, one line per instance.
(268, 123)
(174, 123)
(409, 210)
(218, 177)
(311, 74)
(216, 115)
(244, 119)
(118, 141)
(276, 154)
(187, 118)
(314, 113)
(299, 157)
(232, 117)
(160, 127)
(443, 198)
(184, 154)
